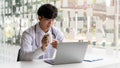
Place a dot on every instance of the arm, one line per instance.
(27, 52)
(53, 46)
(58, 34)
(59, 37)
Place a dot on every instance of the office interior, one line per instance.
(94, 21)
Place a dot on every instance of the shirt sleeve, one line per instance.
(27, 53)
(59, 36)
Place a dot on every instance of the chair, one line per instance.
(18, 57)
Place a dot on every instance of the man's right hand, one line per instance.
(45, 42)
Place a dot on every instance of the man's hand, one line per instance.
(55, 43)
(45, 42)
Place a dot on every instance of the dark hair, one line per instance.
(48, 11)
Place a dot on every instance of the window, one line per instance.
(95, 21)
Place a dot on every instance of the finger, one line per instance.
(45, 41)
(47, 35)
(54, 43)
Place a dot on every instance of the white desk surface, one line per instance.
(107, 62)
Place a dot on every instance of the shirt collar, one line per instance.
(38, 29)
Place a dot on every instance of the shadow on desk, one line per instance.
(74, 65)
(42, 64)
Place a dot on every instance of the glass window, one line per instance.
(94, 21)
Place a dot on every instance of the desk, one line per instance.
(107, 62)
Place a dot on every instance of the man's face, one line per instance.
(45, 23)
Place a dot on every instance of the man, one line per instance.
(41, 40)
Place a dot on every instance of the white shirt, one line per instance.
(31, 43)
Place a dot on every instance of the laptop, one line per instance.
(69, 52)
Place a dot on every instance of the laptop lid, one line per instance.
(70, 52)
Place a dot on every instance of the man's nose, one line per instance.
(50, 21)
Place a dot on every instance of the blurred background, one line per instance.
(95, 21)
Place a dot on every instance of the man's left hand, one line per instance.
(55, 43)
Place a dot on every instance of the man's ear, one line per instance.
(39, 17)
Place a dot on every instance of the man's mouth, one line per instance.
(48, 26)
